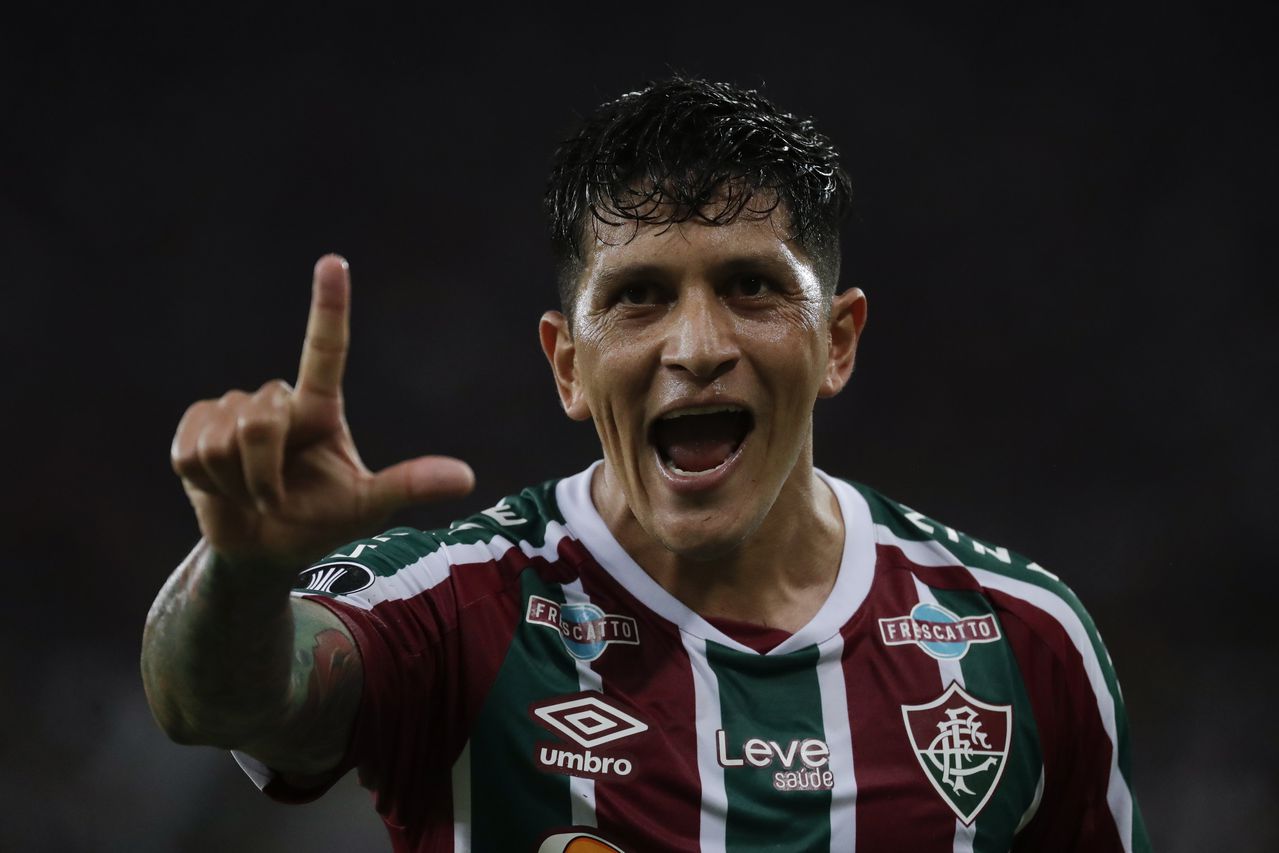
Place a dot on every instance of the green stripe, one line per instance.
(512, 802)
(517, 518)
(1140, 840)
(888, 513)
(523, 517)
(992, 675)
(775, 698)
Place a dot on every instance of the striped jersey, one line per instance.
(528, 687)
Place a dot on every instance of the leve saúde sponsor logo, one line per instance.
(585, 629)
(938, 632)
(803, 763)
(593, 723)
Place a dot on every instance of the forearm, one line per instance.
(217, 652)
(228, 658)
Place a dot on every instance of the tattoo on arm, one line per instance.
(322, 672)
(324, 693)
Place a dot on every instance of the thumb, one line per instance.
(421, 480)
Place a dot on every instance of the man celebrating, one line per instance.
(700, 643)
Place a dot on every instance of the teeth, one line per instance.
(700, 410)
(678, 470)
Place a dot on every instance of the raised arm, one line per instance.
(228, 659)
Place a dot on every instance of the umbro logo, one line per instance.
(591, 722)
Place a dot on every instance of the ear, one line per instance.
(561, 352)
(847, 319)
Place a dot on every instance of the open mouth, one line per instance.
(700, 439)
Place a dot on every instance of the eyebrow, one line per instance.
(736, 264)
(759, 260)
(631, 272)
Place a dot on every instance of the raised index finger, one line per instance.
(327, 329)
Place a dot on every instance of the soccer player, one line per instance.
(701, 642)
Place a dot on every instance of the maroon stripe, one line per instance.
(1073, 814)
(956, 576)
(893, 791)
(657, 807)
(758, 637)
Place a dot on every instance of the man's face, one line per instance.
(699, 351)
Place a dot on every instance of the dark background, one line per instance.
(1059, 224)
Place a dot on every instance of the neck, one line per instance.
(779, 576)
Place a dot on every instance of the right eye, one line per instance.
(637, 294)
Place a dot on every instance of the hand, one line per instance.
(274, 476)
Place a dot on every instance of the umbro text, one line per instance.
(587, 763)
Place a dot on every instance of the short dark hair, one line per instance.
(685, 149)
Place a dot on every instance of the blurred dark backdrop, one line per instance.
(1059, 223)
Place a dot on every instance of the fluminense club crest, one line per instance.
(962, 745)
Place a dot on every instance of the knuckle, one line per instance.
(257, 427)
(213, 446)
(185, 462)
(195, 412)
(274, 387)
(274, 395)
(232, 399)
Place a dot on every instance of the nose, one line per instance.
(700, 338)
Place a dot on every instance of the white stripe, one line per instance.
(1033, 809)
(930, 553)
(926, 553)
(461, 777)
(433, 569)
(964, 836)
(709, 720)
(256, 770)
(839, 739)
(581, 789)
(949, 670)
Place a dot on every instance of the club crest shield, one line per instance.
(962, 745)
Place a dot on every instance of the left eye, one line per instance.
(749, 286)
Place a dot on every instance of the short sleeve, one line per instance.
(393, 593)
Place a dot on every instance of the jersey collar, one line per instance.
(856, 566)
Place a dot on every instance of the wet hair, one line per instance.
(688, 149)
